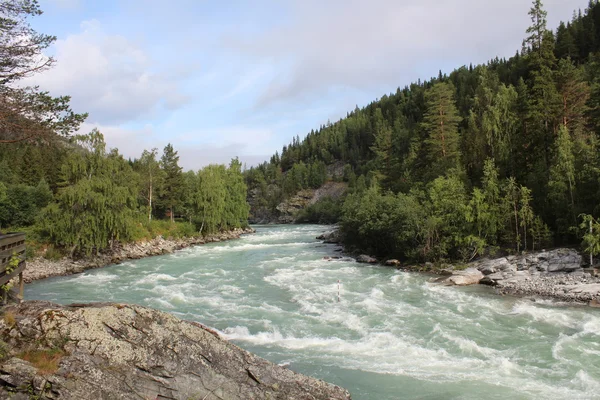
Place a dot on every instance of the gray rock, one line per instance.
(470, 276)
(117, 351)
(392, 263)
(365, 259)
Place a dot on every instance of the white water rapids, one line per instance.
(393, 335)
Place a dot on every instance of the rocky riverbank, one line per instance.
(119, 351)
(41, 268)
(559, 274)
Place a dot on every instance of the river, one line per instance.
(392, 335)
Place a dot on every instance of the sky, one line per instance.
(220, 79)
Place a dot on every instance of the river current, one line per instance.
(391, 335)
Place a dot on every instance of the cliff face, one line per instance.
(109, 351)
(287, 210)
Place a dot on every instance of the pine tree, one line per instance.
(574, 93)
(440, 124)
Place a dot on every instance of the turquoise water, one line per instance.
(392, 335)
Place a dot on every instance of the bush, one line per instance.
(325, 211)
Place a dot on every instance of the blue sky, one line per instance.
(220, 79)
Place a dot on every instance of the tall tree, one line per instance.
(440, 124)
(562, 182)
(544, 99)
(172, 187)
(152, 178)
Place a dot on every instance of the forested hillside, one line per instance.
(497, 155)
(71, 192)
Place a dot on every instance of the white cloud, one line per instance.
(228, 143)
(379, 43)
(108, 76)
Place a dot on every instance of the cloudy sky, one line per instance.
(220, 79)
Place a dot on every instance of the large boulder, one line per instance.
(365, 259)
(118, 351)
(469, 276)
(392, 263)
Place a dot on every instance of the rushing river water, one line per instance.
(392, 335)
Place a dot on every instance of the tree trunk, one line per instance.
(150, 202)
(517, 228)
(591, 255)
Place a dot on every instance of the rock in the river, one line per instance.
(365, 259)
(469, 276)
(392, 263)
(118, 351)
(331, 237)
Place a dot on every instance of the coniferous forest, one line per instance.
(497, 156)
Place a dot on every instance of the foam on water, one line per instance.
(276, 294)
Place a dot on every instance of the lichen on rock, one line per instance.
(132, 352)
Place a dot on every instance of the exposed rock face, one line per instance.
(469, 276)
(289, 208)
(113, 351)
(557, 273)
(286, 211)
(40, 268)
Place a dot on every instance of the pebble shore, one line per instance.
(41, 268)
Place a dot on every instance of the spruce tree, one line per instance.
(172, 188)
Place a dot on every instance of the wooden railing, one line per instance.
(12, 261)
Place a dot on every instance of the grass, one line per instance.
(146, 230)
(45, 361)
(9, 318)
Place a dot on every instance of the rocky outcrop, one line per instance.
(286, 212)
(332, 237)
(469, 276)
(290, 207)
(118, 351)
(558, 273)
(41, 268)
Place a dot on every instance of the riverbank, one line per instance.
(41, 268)
(558, 274)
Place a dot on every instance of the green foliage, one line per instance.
(152, 179)
(97, 199)
(324, 211)
(20, 204)
(28, 113)
(440, 123)
(172, 180)
(144, 229)
(591, 238)
(216, 198)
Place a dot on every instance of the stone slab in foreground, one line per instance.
(110, 351)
